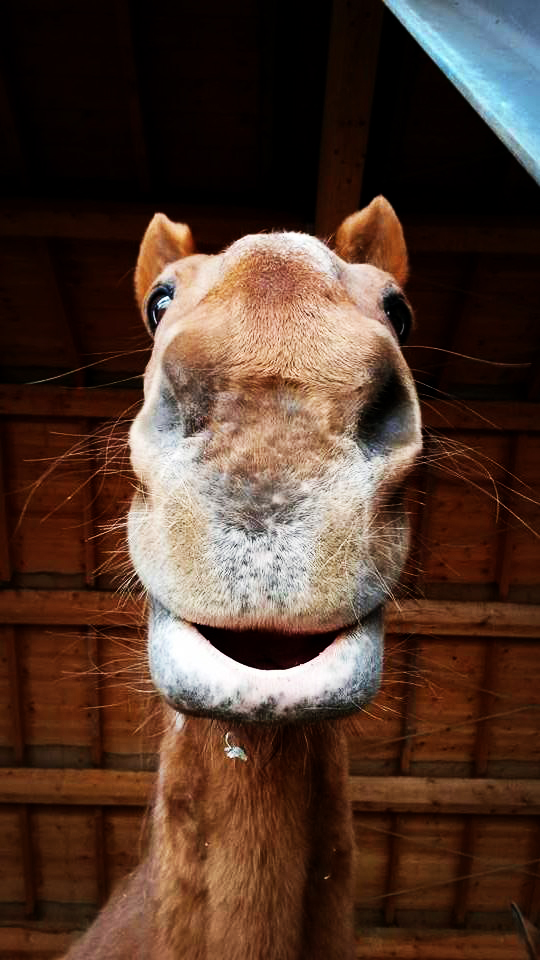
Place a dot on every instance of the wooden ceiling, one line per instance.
(241, 118)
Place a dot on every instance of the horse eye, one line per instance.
(399, 314)
(157, 303)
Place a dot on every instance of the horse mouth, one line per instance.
(268, 649)
(264, 676)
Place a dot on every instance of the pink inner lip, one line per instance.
(268, 649)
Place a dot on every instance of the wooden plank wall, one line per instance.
(446, 845)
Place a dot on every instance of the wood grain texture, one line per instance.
(369, 794)
(378, 944)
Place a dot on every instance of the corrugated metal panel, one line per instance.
(490, 50)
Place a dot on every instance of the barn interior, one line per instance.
(239, 118)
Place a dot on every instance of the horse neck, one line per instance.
(252, 859)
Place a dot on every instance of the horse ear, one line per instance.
(374, 235)
(163, 243)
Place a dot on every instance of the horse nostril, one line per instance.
(388, 421)
(185, 401)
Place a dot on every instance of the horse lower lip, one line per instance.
(268, 649)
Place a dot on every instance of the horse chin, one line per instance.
(265, 676)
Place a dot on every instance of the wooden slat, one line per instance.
(100, 855)
(17, 716)
(27, 854)
(392, 867)
(94, 698)
(487, 705)
(350, 82)
(103, 404)
(426, 617)
(463, 885)
(369, 794)
(372, 944)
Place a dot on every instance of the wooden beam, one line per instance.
(5, 534)
(27, 853)
(12, 152)
(105, 403)
(392, 867)
(213, 227)
(487, 415)
(350, 81)
(88, 498)
(69, 607)
(216, 226)
(458, 300)
(504, 557)
(425, 617)
(387, 944)
(463, 884)
(54, 297)
(95, 787)
(372, 944)
(124, 46)
(478, 234)
(368, 794)
(69, 402)
(94, 697)
(100, 856)
(463, 619)
(14, 677)
(533, 907)
(33, 941)
(450, 795)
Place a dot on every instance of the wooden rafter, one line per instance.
(53, 295)
(216, 226)
(213, 228)
(5, 556)
(350, 83)
(13, 156)
(124, 45)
